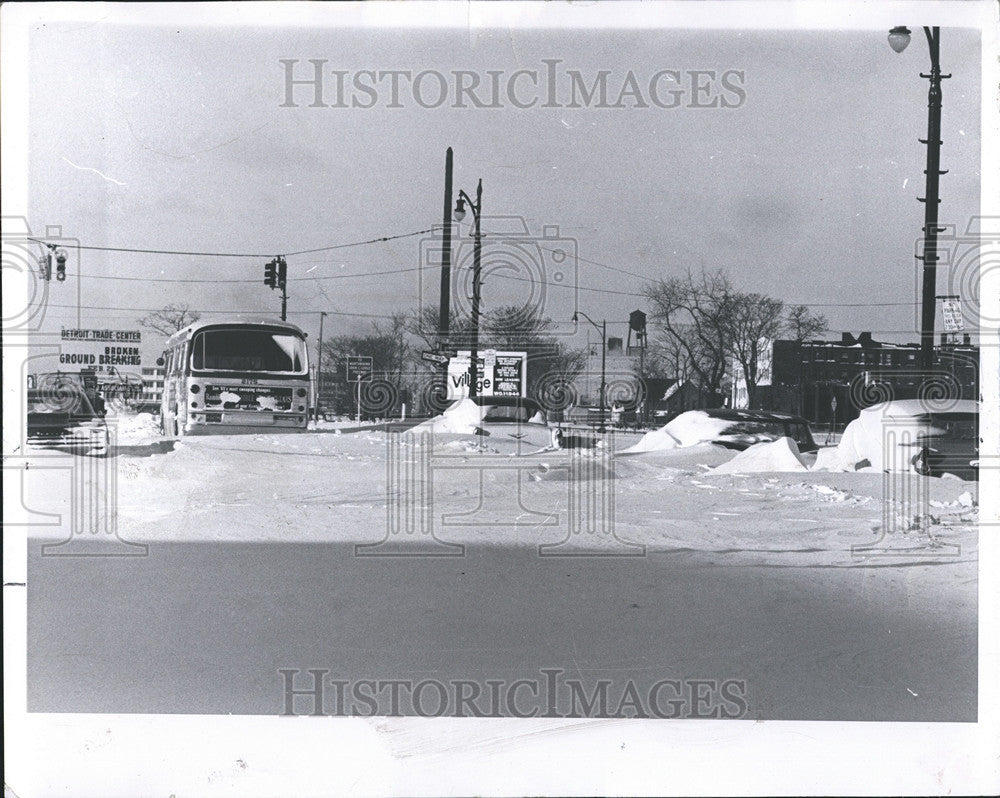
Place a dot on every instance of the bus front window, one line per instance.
(248, 350)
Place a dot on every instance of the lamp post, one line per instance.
(603, 330)
(899, 38)
(476, 208)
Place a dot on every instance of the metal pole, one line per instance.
(359, 398)
(445, 307)
(931, 201)
(282, 270)
(604, 358)
(473, 365)
(319, 368)
(641, 416)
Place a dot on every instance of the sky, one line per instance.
(169, 134)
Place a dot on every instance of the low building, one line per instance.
(829, 382)
(152, 388)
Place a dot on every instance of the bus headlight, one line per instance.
(195, 388)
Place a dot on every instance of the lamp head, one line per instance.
(899, 38)
(459, 210)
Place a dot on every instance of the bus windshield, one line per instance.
(248, 350)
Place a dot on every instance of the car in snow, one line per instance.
(66, 419)
(513, 418)
(747, 427)
(948, 444)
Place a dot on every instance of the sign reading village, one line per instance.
(101, 350)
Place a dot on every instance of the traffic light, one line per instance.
(60, 265)
(45, 266)
(271, 273)
(282, 273)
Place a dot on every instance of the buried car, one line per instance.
(730, 429)
(748, 427)
(930, 438)
(66, 420)
(947, 444)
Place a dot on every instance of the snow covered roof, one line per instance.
(902, 408)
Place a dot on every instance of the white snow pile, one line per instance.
(863, 442)
(135, 429)
(462, 418)
(780, 455)
(688, 429)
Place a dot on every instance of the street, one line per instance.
(205, 628)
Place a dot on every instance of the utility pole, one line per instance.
(319, 367)
(445, 307)
(283, 284)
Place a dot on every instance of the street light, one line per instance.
(899, 38)
(476, 208)
(603, 330)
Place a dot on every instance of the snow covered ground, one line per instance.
(788, 578)
(760, 505)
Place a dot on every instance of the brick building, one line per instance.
(857, 372)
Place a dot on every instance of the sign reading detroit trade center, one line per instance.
(100, 350)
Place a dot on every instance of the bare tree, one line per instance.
(170, 319)
(666, 357)
(519, 328)
(752, 322)
(425, 326)
(801, 324)
(693, 314)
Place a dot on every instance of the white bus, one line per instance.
(235, 376)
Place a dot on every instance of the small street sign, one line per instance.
(359, 368)
(435, 357)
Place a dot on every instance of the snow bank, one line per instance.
(136, 429)
(864, 438)
(462, 417)
(780, 455)
(688, 429)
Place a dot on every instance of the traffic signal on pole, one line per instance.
(45, 266)
(271, 273)
(282, 273)
(60, 265)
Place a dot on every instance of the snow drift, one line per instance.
(780, 455)
(461, 418)
(864, 440)
(688, 429)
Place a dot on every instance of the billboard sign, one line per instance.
(498, 374)
(100, 351)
